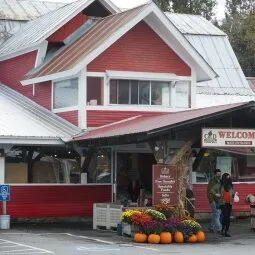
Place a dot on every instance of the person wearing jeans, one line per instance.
(214, 196)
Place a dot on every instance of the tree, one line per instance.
(198, 7)
(239, 25)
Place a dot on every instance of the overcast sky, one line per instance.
(132, 3)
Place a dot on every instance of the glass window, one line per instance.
(134, 92)
(65, 93)
(144, 92)
(99, 170)
(160, 94)
(113, 91)
(182, 94)
(123, 92)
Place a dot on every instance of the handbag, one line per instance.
(236, 198)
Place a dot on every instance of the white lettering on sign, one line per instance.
(220, 137)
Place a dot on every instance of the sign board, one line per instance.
(223, 137)
(4, 192)
(164, 184)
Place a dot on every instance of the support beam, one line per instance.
(2, 166)
(82, 99)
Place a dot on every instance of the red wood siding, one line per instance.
(202, 204)
(14, 69)
(140, 50)
(43, 94)
(55, 201)
(72, 116)
(100, 118)
(61, 34)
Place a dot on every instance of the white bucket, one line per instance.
(4, 221)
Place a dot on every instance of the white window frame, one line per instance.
(63, 109)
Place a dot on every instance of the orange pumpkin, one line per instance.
(192, 239)
(200, 236)
(140, 238)
(178, 237)
(165, 237)
(153, 238)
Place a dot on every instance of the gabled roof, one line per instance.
(214, 46)
(107, 31)
(149, 125)
(24, 121)
(36, 31)
(26, 9)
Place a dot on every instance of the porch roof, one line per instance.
(25, 122)
(152, 125)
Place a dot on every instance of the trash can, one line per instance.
(252, 216)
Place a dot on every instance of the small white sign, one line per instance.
(227, 137)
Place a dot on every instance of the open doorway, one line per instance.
(134, 172)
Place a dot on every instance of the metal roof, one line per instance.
(193, 24)
(142, 124)
(89, 41)
(20, 117)
(36, 31)
(26, 9)
(214, 46)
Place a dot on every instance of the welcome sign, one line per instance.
(225, 137)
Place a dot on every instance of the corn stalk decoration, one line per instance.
(181, 160)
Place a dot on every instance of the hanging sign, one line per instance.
(223, 137)
(164, 186)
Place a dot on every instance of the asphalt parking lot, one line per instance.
(79, 238)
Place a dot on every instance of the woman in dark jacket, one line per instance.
(227, 195)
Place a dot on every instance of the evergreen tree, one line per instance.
(199, 7)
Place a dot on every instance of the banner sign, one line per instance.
(227, 137)
(164, 186)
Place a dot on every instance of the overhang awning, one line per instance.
(156, 124)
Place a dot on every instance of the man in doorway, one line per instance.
(213, 194)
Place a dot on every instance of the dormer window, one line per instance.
(65, 93)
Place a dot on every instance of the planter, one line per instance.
(129, 230)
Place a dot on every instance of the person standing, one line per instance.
(227, 193)
(214, 196)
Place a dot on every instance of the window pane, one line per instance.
(160, 93)
(134, 92)
(113, 92)
(182, 94)
(65, 93)
(144, 92)
(123, 93)
(99, 170)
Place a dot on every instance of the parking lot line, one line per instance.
(19, 248)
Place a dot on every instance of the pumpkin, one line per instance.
(153, 238)
(140, 238)
(200, 236)
(178, 237)
(192, 239)
(165, 237)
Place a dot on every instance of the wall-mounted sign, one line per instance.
(164, 186)
(223, 137)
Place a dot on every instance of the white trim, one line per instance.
(110, 6)
(146, 76)
(172, 94)
(82, 99)
(193, 89)
(95, 74)
(32, 47)
(106, 91)
(27, 140)
(41, 53)
(66, 109)
(134, 108)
